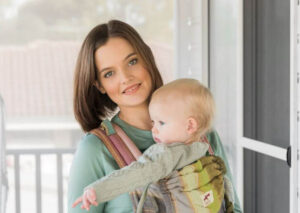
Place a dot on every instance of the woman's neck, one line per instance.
(136, 116)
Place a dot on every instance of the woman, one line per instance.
(115, 68)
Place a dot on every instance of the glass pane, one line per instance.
(266, 71)
(223, 39)
(39, 44)
(266, 184)
(40, 40)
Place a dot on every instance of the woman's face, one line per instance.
(122, 74)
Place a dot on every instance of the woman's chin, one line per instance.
(133, 101)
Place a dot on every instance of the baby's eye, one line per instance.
(161, 123)
(133, 61)
(108, 74)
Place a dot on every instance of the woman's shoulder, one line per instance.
(90, 141)
(92, 152)
(90, 145)
(214, 140)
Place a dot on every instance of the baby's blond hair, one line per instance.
(197, 101)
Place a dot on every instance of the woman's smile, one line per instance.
(131, 89)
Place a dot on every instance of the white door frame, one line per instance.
(186, 18)
(259, 146)
(294, 105)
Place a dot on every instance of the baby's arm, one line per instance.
(157, 162)
(88, 198)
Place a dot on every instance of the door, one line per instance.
(269, 106)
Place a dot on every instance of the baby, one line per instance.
(181, 112)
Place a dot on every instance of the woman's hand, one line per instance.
(88, 198)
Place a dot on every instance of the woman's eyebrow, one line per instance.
(104, 69)
(131, 54)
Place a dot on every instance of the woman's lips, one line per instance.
(131, 89)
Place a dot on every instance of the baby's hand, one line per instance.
(88, 198)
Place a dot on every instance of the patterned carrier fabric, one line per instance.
(180, 193)
(176, 193)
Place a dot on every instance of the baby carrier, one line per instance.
(198, 187)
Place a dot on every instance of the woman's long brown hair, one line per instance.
(91, 106)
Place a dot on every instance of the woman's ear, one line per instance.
(99, 87)
(192, 125)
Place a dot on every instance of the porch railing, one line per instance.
(16, 154)
(38, 153)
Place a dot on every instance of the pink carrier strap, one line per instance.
(128, 142)
(115, 146)
(205, 140)
(121, 147)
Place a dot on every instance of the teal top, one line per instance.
(92, 161)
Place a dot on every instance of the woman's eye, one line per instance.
(108, 74)
(161, 123)
(133, 61)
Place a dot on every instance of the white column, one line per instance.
(191, 39)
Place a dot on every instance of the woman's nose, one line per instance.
(126, 76)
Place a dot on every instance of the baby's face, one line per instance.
(169, 122)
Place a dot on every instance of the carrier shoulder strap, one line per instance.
(117, 142)
(128, 142)
(210, 150)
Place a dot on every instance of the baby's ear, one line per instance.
(99, 87)
(192, 125)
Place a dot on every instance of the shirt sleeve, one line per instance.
(86, 168)
(156, 163)
(218, 148)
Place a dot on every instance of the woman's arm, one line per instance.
(86, 167)
(217, 146)
(92, 161)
